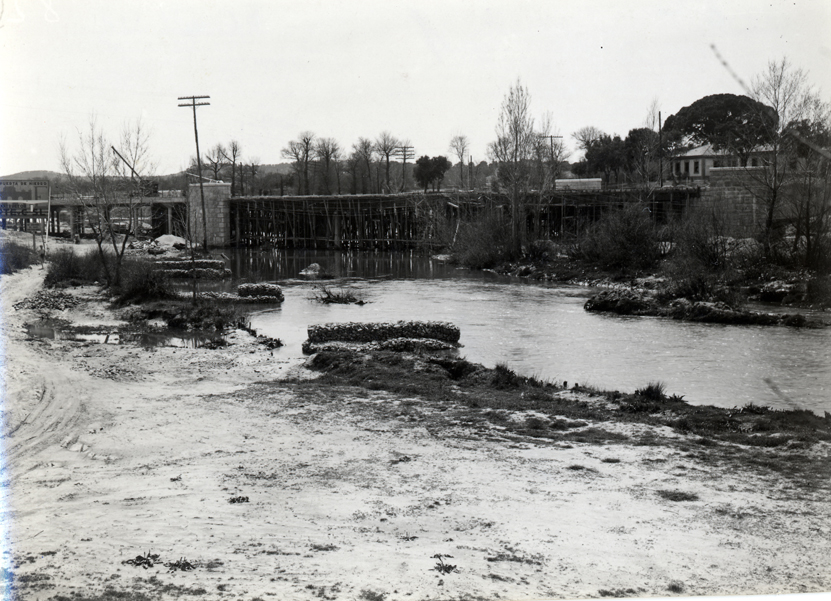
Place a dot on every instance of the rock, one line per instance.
(795, 321)
(48, 300)
(68, 440)
(315, 271)
(170, 240)
(542, 249)
(633, 302)
(622, 302)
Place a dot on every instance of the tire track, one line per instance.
(53, 418)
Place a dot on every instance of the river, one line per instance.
(542, 330)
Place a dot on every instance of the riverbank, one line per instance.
(714, 298)
(351, 482)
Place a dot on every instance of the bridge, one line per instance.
(358, 222)
(164, 212)
(401, 221)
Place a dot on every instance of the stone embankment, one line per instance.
(399, 336)
(255, 294)
(205, 269)
(645, 302)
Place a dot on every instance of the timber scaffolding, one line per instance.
(411, 220)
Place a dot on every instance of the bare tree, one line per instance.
(215, 158)
(253, 169)
(652, 111)
(549, 154)
(787, 91)
(364, 151)
(513, 150)
(108, 182)
(459, 147)
(808, 198)
(301, 153)
(327, 152)
(231, 154)
(353, 168)
(386, 145)
(586, 136)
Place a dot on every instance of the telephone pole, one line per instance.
(405, 152)
(660, 153)
(194, 104)
(554, 187)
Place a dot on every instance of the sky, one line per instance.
(423, 70)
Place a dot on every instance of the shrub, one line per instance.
(15, 256)
(623, 239)
(340, 297)
(141, 282)
(505, 378)
(702, 260)
(484, 242)
(67, 268)
(819, 290)
(699, 239)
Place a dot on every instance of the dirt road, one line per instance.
(112, 451)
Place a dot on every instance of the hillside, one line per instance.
(42, 174)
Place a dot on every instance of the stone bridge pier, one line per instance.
(217, 211)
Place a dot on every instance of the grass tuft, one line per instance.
(677, 495)
(654, 391)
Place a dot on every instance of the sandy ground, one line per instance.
(115, 450)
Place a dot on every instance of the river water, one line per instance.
(543, 330)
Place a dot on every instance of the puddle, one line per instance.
(144, 339)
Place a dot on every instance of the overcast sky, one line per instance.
(423, 70)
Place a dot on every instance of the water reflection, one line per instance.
(277, 265)
(177, 339)
(544, 331)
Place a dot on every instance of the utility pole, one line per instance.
(554, 187)
(660, 153)
(405, 152)
(194, 104)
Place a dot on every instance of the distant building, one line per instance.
(695, 164)
(592, 183)
(24, 189)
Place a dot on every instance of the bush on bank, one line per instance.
(68, 268)
(623, 239)
(142, 282)
(483, 242)
(15, 256)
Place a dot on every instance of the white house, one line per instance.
(695, 164)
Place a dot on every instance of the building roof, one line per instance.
(707, 150)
